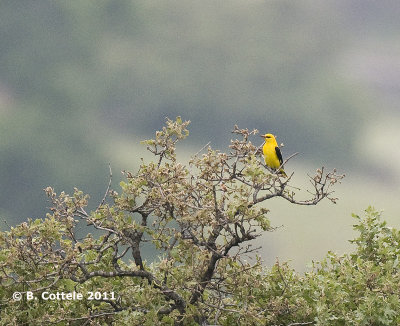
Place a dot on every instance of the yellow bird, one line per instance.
(272, 153)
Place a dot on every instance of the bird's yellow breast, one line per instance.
(270, 157)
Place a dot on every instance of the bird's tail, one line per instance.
(283, 173)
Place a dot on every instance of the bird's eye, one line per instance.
(267, 136)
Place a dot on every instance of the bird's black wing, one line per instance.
(279, 154)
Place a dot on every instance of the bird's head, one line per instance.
(269, 138)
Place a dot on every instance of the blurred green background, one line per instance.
(82, 82)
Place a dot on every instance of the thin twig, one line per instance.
(108, 188)
(201, 149)
(285, 161)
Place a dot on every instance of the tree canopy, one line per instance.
(200, 217)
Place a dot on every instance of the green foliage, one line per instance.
(360, 288)
(201, 219)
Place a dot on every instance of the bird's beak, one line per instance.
(262, 136)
